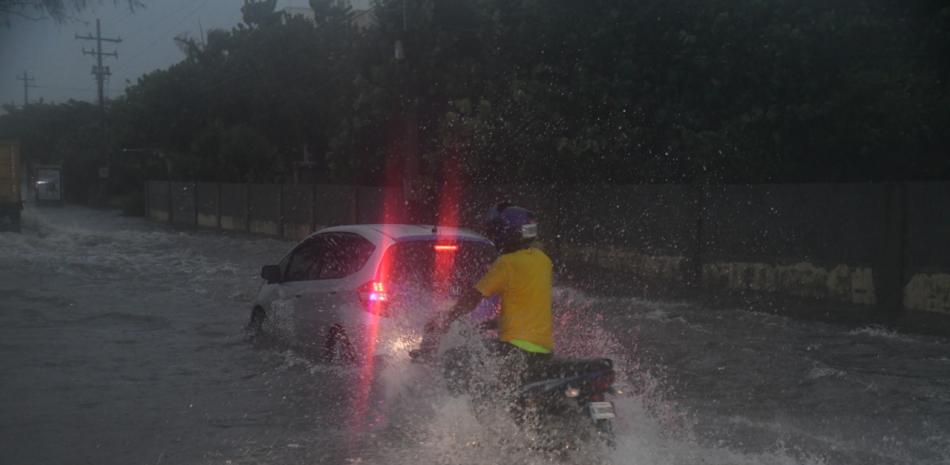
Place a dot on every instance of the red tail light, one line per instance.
(446, 247)
(374, 297)
(603, 383)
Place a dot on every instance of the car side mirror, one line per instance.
(271, 273)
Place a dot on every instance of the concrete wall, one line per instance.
(292, 211)
(380, 205)
(297, 211)
(334, 205)
(233, 206)
(872, 244)
(264, 209)
(183, 203)
(841, 282)
(812, 222)
(157, 200)
(927, 253)
(816, 240)
(208, 206)
(651, 226)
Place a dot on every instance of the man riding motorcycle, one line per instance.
(548, 397)
(521, 276)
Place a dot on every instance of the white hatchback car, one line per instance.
(351, 290)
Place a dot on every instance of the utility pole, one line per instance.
(26, 87)
(99, 71)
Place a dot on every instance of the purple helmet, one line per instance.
(511, 227)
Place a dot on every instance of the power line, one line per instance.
(80, 89)
(27, 79)
(120, 11)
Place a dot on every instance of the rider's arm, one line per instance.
(438, 325)
(493, 282)
(466, 303)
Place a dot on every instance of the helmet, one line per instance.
(511, 227)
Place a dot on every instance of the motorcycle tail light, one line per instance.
(603, 383)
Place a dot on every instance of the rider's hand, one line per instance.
(431, 335)
(427, 348)
(420, 355)
(435, 327)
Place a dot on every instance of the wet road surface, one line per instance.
(122, 342)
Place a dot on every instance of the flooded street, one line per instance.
(122, 342)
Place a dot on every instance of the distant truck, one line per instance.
(10, 200)
(49, 185)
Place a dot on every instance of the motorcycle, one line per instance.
(562, 403)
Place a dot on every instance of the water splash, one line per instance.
(428, 425)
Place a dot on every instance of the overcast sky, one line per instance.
(49, 51)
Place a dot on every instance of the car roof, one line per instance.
(399, 232)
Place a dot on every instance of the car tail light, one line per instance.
(446, 247)
(375, 297)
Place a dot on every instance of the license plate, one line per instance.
(282, 306)
(601, 410)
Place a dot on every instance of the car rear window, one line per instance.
(436, 265)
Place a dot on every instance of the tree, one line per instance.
(560, 91)
(259, 13)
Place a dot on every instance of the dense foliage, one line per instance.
(552, 90)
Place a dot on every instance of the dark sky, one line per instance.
(49, 51)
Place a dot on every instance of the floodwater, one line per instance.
(122, 342)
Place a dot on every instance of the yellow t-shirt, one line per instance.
(523, 279)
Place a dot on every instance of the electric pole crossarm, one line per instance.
(96, 38)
